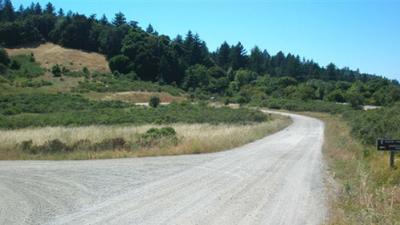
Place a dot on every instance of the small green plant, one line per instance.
(154, 101)
(56, 70)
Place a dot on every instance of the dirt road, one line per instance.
(276, 180)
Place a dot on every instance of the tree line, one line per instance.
(185, 61)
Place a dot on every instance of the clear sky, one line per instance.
(362, 34)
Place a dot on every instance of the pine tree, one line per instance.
(238, 56)
(119, 19)
(49, 9)
(104, 20)
(8, 12)
(60, 12)
(150, 29)
(38, 9)
(223, 53)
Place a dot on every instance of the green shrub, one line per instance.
(15, 65)
(56, 70)
(156, 136)
(119, 63)
(154, 101)
(85, 70)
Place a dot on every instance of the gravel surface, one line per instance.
(275, 180)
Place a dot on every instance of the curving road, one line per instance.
(275, 180)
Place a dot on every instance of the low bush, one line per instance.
(56, 70)
(156, 136)
(154, 101)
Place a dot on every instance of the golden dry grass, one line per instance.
(195, 138)
(366, 190)
(49, 54)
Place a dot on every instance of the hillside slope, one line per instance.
(49, 54)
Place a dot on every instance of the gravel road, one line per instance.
(275, 180)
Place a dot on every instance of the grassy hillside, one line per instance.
(49, 54)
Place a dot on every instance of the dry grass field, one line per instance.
(49, 54)
(194, 139)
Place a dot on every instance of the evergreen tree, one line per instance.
(50, 9)
(60, 12)
(8, 12)
(150, 29)
(257, 60)
(119, 19)
(104, 20)
(38, 9)
(223, 53)
(238, 57)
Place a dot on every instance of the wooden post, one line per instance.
(392, 158)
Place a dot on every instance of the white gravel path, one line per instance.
(275, 180)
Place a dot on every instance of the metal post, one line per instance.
(392, 157)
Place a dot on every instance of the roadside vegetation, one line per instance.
(366, 190)
(116, 141)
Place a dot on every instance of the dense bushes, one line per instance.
(49, 103)
(174, 113)
(372, 124)
(299, 105)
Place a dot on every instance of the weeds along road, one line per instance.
(275, 180)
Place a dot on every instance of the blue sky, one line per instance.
(362, 34)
